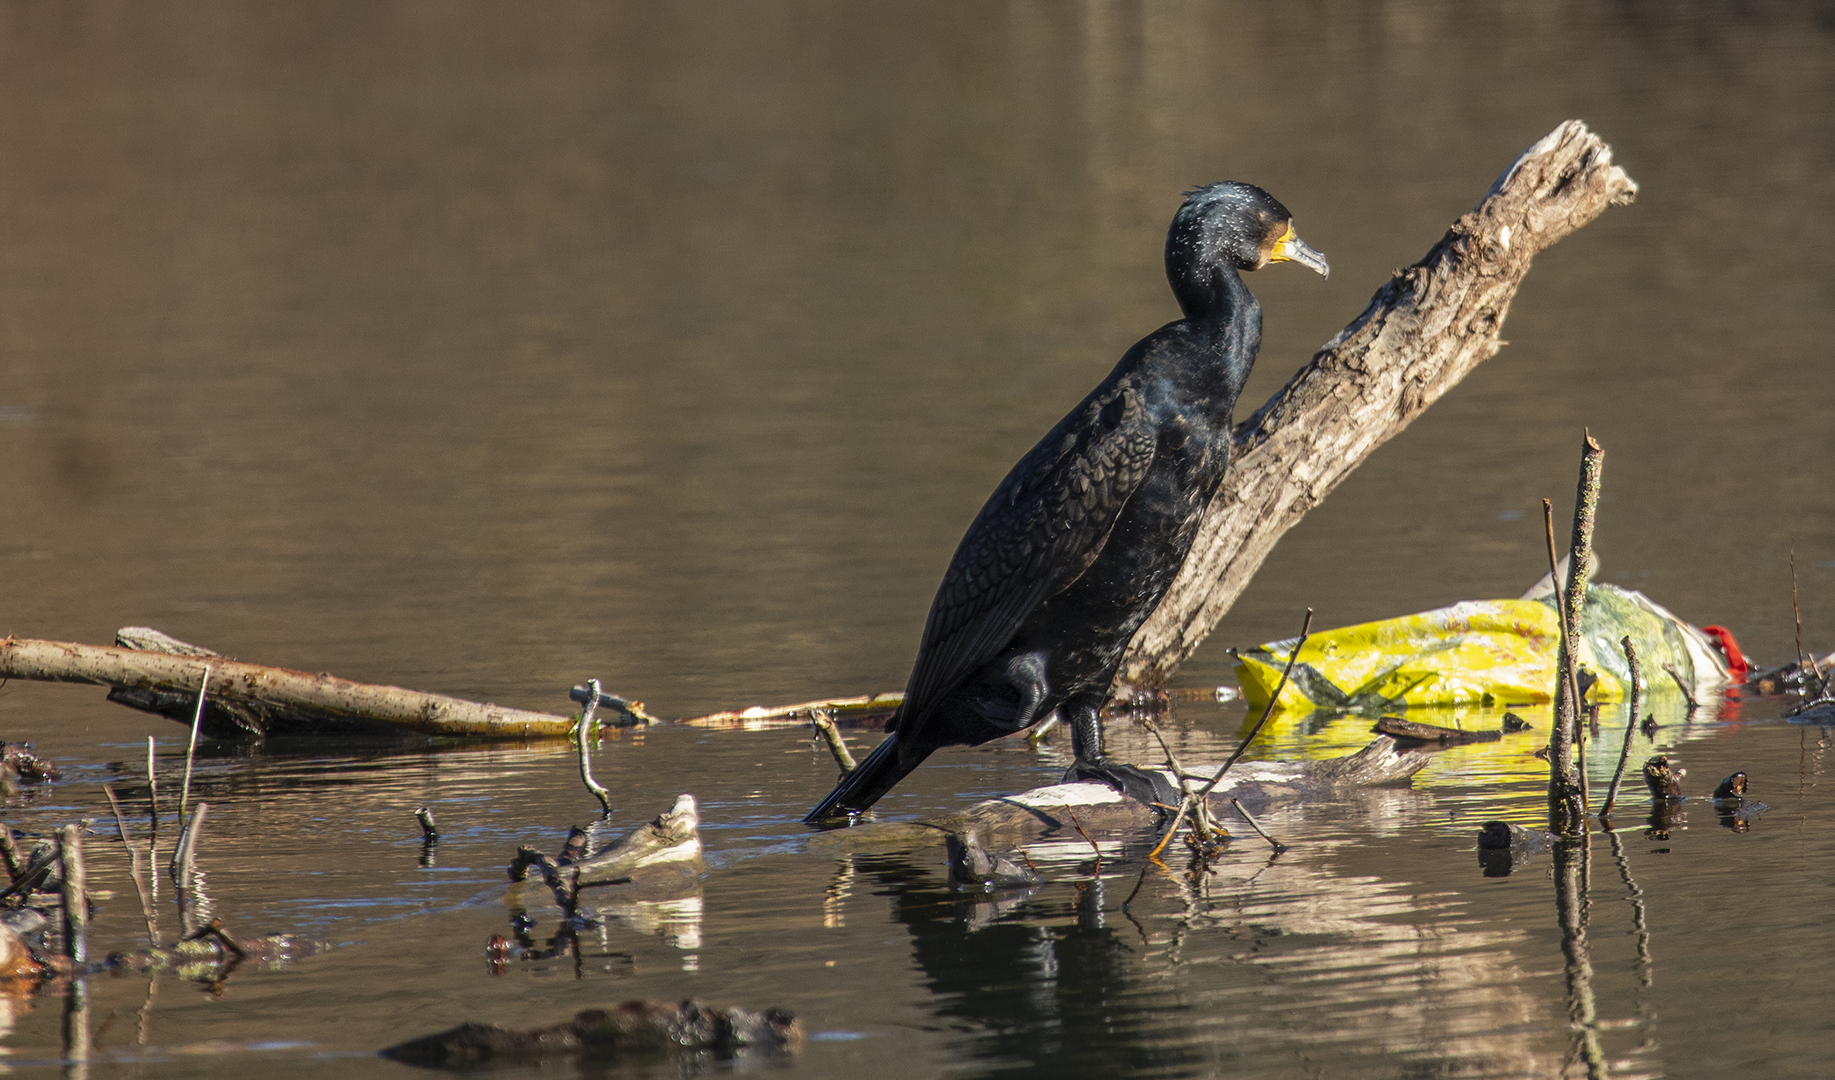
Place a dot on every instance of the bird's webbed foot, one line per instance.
(1149, 786)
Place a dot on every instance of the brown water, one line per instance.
(484, 350)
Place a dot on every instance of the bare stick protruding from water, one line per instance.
(825, 726)
(75, 893)
(1272, 842)
(1194, 801)
(1554, 578)
(153, 796)
(133, 862)
(184, 795)
(586, 762)
(1567, 797)
(430, 829)
(1804, 660)
(1624, 753)
(184, 857)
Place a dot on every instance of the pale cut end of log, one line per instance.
(1423, 331)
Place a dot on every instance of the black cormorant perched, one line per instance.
(1082, 539)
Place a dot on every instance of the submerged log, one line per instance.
(274, 697)
(636, 1029)
(1422, 332)
(1055, 819)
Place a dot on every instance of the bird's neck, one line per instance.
(1222, 312)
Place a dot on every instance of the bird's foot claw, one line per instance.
(1149, 786)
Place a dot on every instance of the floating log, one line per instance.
(1409, 730)
(271, 700)
(1423, 331)
(862, 711)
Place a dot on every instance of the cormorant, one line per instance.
(1082, 539)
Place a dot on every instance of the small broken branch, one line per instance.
(75, 893)
(152, 796)
(581, 733)
(133, 862)
(430, 829)
(1567, 796)
(1194, 801)
(185, 854)
(825, 726)
(1624, 753)
(1422, 332)
(197, 720)
(1278, 847)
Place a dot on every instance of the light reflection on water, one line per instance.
(1374, 947)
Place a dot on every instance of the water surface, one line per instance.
(485, 350)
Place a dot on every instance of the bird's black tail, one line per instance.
(870, 779)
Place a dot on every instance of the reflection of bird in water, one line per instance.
(1079, 543)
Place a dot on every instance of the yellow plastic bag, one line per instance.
(1481, 652)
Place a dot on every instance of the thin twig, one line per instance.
(586, 762)
(1688, 694)
(197, 720)
(1305, 632)
(153, 798)
(76, 895)
(1196, 798)
(133, 862)
(1624, 753)
(214, 930)
(1804, 660)
(1272, 842)
(825, 726)
(1178, 770)
(1086, 838)
(1554, 576)
(1038, 733)
(185, 854)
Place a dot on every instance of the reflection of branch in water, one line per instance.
(1645, 966)
(834, 901)
(76, 1030)
(1570, 911)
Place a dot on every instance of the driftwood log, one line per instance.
(270, 698)
(1423, 331)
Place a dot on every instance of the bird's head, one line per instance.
(1237, 224)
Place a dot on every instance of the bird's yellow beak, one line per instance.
(1290, 248)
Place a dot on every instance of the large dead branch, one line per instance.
(262, 691)
(1423, 331)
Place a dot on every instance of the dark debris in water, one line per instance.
(635, 1029)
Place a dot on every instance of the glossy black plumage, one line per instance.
(1080, 542)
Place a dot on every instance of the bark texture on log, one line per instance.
(257, 687)
(1422, 332)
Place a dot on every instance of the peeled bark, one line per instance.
(1423, 331)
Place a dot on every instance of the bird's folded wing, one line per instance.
(1041, 529)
